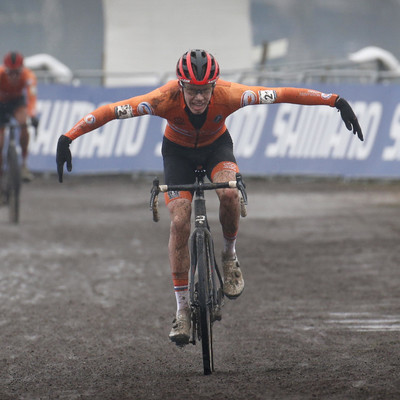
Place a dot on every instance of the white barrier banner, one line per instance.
(268, 139)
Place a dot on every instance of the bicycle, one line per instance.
(206, 294)
(11, 181)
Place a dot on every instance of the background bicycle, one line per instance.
(11, 179)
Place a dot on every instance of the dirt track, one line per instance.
(87, 300)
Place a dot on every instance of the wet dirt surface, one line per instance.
(87, 298)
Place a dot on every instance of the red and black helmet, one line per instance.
(13, 60)
(197, 67)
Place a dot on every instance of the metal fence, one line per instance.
(268, 75)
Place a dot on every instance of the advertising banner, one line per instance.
(277, 139)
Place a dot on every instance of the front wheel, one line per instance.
(203, 270)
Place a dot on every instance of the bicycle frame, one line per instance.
(202, 229)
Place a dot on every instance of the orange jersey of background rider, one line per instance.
(25, 86)
(168, 102)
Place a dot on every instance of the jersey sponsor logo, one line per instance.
(77, 127)
(248, 98)
(326, 96)
(145, 108)
(90, 119)
(124, 111)
(218, 118)
(267, 96)
(179, 121)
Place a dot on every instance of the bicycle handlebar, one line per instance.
(34, 124)
(197, 186)
(12, 123)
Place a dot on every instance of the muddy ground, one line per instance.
(87, 299)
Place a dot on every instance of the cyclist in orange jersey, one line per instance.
(195, 106)
(18, 100)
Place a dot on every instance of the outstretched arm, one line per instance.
(314, 97)
(90, 122)
(120, 110)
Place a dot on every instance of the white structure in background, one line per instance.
(148, 37)
(54, 69)
(376, 54)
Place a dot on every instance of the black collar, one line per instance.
(197, 120)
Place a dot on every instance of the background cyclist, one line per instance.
(196, 105)
(17, 99)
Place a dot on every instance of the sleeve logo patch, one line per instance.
(267, 96)
(124, 111)
(248, 98)
(326, 96)
(90, 119)
(145, 108)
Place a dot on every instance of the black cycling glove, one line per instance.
(63, 156)
(348, 116)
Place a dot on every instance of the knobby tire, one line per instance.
(203, 270)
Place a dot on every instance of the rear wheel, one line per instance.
(13, 187)
(204, 303)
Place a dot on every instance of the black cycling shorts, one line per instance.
(180, 162)
(8, 108)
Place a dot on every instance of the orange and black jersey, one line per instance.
(25, 86)
(168, 102)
